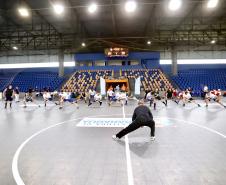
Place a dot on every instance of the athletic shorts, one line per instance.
(9, 98)
(204, 94)
(69, 100)
(157, 98)
(48, 99)
(29, 99)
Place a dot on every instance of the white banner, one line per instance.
(104, 122)
(102, 86)
(137, 86)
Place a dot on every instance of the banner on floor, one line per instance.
(104, 122)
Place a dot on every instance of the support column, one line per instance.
(61, 62)
(174, 67)
(77, 63)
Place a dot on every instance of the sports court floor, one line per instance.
(44, 146)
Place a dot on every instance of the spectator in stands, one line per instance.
(142, 116)
(8, 94)
(17, 94)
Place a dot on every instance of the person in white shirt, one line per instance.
(205, 91)
(117, 98)
(124, 98)
(110, 94)
(66, 97)
(150, 98)
(188, 98)
(46, 97)
(97, 98)
(214, 95)
(92, 93)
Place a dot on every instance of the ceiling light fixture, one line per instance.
(174, 5)
(58, 8)
(15, 48)
(213, 41)
(212, 4)
(130, 6)
(92, 8)
(23, 12)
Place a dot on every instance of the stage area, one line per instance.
(48, 146)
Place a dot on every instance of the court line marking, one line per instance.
(15, 170)
(16, 174)
(198, 125)
(128, 156)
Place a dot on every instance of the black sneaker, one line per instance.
(100, 103)
(89, 104)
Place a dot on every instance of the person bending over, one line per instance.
(150, 98)
(97, 98)
(188, 98)
(46, 97)
(28, 97)
(215, 96)
(142, 116)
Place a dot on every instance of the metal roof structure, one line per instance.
(191, 28)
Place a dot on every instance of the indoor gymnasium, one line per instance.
(112, 92)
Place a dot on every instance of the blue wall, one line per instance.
(82, 57)
(181, 67)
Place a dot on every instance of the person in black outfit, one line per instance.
(142, 116)
(168, 95)
(8, 96)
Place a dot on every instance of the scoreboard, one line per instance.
(116, 52)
